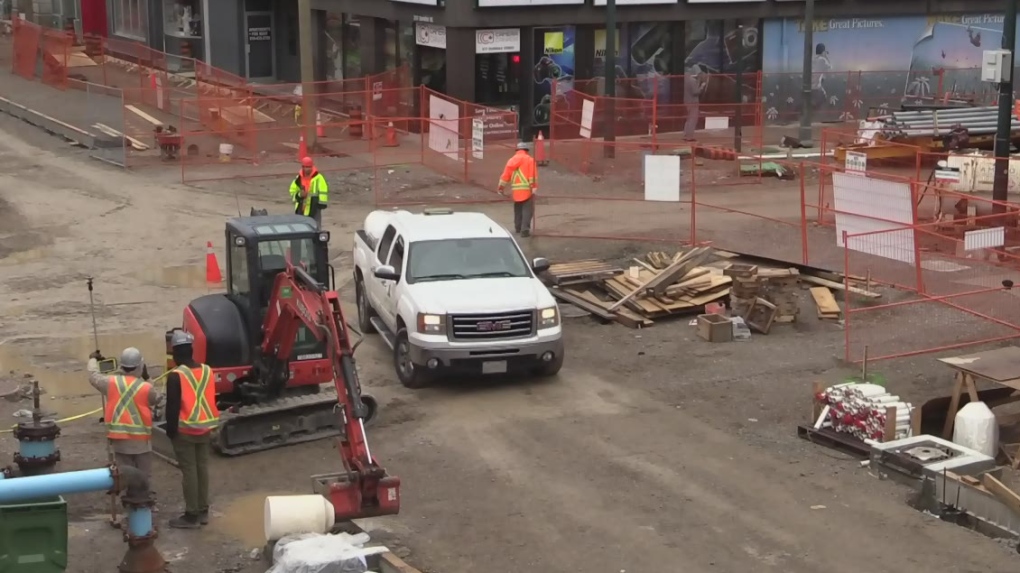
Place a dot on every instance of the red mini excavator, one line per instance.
(279, 347)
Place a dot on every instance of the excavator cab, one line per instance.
(258, 249)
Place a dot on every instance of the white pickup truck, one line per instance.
(453, 292)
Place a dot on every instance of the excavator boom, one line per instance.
(363, 489)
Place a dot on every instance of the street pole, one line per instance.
(738, 118)
(1003, 131)
(308, 107)
(809, 48)
(610, 60)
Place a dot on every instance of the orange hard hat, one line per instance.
(307, 162)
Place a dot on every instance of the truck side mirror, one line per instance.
(540, 265)
(386, 273)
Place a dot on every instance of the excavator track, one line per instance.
(282, 422)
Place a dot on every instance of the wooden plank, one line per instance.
(155, 122)
(838, 286)
(825, 302)
(579, 302)
(138, 145)
(666, 277)
(1003, 493)
(624, 316)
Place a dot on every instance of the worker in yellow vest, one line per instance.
(130, 405)
(191, 416)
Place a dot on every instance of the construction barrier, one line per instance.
(953, 296)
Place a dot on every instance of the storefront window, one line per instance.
(351, 46)
(390, 47)
(497, 79)
(406, 44)
(649, 60)
(717, 45)
(433, 68)
(131, 18)
(331, 46)
(182, 18)
(552, 72)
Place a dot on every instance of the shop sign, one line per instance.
(719, 1)
(505, 40)
(644, 2)
(430, 35)
(260, 34)
(509, 3)
(499, 123)
(421, 2)
(855, 163)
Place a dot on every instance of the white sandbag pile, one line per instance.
(321, 553)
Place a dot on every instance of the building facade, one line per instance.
(521, 53)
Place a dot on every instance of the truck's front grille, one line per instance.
(496, 326)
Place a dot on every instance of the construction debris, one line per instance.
(660, 285)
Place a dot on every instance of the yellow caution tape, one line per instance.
(97, 410)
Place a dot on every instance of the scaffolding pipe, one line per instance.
(50, 485)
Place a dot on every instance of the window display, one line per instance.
(130, 19)
(182, 18)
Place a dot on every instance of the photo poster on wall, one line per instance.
(717, 48)
(444, 120)
(553, 66)
(643, 56)
(862, 63)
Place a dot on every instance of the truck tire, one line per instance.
(550, 369)
(365, 311)
(409, 374)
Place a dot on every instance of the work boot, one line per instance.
(525, 233)
(203, 517)
(186, 521)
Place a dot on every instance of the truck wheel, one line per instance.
(365, 312)
(550, 369)
(409, 374)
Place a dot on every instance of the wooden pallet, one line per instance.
(580, 272)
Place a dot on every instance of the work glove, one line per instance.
(145, 372)
(96, 354)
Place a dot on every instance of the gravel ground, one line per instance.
(651, 447)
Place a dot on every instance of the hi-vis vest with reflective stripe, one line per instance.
(521, 174)
(199, 414)
(127, 413)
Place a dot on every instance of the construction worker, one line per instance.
(130, 403)
(309, 192)
(191, 416)
(521, 175)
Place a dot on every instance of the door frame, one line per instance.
(247, 45)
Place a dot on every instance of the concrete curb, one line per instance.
(46, 123)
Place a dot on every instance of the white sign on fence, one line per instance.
(856, 163)
(478, 138)
(587, 117)
(948, 176)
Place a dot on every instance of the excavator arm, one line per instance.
(363, 489)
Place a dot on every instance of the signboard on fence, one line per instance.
(478, 138)
(377, 91)
(855, 163)
(587, 117)
(947, 176)
(500, 123)
(444, 131)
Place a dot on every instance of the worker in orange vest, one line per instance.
(128, 409)
(191, 416)
(521, 175)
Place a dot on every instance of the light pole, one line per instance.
(309, 106)
(610, 63)
(738, 118)
(805, 103)
(1004, 129)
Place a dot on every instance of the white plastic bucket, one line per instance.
(291, 514)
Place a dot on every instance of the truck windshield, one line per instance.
(456, 259)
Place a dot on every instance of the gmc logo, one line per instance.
(491, 326)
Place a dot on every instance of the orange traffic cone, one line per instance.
(212, 266)
(320, 131)
(302, 150)
(391, 136)
(540, 150)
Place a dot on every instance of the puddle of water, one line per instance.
(243, 518)
(59, 366)
(188, 276)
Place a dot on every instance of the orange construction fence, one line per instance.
(42, 52)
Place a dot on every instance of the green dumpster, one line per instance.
(33, 536)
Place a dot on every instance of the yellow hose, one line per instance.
(97, 410)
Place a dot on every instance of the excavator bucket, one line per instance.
(352, 500)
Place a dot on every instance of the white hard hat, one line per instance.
(181, 338)
(131, 358)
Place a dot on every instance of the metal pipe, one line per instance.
(50, 485)
(139, 521)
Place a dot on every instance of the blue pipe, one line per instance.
(51, 485)
(30, 450)
(139, 521)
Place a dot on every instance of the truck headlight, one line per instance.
(431, 323)
(548, 317)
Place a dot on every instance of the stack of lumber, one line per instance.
(660, 285)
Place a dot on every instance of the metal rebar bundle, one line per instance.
(939, 122)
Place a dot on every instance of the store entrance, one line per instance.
(498, 79)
